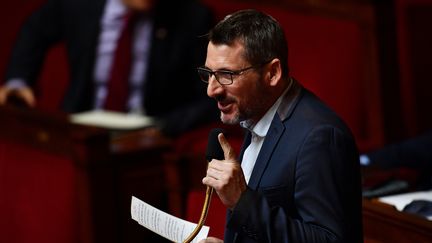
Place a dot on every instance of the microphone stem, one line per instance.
(204, 212)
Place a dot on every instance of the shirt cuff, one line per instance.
(16, 83)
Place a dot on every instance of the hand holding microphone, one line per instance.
(226, 175)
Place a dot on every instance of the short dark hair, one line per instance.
(261, 34)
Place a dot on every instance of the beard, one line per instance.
(233, 117)
(252, 107)
(230, 121)
(250, 110)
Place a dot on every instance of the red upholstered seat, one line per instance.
(38, 196)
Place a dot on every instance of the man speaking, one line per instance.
(297, 178)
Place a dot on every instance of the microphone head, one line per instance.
(214, 149)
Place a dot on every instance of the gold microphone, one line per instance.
(214, 151)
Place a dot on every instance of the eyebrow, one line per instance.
(221, 69)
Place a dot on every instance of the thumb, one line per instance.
(229, 153)
(27, 95)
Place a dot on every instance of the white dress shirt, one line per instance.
(111, 27)
(258, 132)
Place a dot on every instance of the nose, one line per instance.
(214, 88)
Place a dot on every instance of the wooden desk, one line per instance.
(61, 182)
(383, 223)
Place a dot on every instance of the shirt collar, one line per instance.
(262, 126)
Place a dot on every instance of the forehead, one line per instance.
(225, 56)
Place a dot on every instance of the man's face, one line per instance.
(140, 5)
(241, 100)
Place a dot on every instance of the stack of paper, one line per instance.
(112, 120)
(401, 200)
(166, 225)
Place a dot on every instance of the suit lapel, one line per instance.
(272, 138)
(275, 132)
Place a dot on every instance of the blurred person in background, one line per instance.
(154, 74)
(414, 153)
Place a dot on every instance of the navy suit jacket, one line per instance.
(173, 91)
(305, 186)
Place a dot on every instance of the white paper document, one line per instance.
(164, 224)
(401, 200)
(112, 120)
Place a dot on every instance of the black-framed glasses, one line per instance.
(224, 77)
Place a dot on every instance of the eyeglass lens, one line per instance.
(221, 77)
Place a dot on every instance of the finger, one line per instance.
(5, 92)
(214, 173)
(24, 94)
(213, 240)
(229, 153)
(2, 96)
(211, 182)
(27, 95)
(216, 165)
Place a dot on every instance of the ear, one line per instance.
(274, 72)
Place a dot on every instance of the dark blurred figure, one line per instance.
(415, 153)
(161, 80)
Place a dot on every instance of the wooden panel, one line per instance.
(383, 223)
(67, 183)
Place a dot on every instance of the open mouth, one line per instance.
(225, 107)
